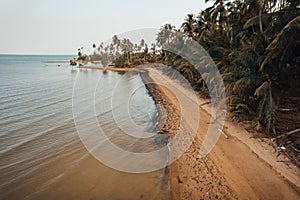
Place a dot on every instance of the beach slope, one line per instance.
(238, 167)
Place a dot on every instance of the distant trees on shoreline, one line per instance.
(121, 53)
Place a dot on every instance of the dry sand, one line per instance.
(239, 166)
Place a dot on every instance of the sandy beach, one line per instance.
(176, 101)
(110, 68)
(239, 166)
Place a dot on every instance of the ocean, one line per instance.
(49, 111)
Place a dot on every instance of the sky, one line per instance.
(61, 26)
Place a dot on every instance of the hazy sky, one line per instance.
(61, 26)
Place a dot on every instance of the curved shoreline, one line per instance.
(180, 189)
(110, 68)
(238, 167)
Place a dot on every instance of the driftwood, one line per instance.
(288, 133)
(205, 103)
(292, 158)
(287, 109)
(226, 136)
(296, 149)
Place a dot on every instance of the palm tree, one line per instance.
(79, 52)
(116, 42)
(220, 15)
(189, 25)
(142, 43)
(153, 49)
(165, 35)
(283, 47)
(146, 50)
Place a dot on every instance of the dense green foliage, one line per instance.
(255, 44)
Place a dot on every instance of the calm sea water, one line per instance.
(41, 154)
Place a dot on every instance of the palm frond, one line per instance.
(262, 89)
(289, 35)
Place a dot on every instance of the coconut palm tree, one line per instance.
(142, 44)
(165, 35)
(189, 25)
(116, 42)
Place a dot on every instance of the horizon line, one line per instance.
(39, 54)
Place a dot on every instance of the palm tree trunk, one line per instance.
(260, 20)
(262, 5)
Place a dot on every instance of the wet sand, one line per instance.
(89, 179)
(239, 166)
(110, 68)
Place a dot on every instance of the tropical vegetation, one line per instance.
(256, 47)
